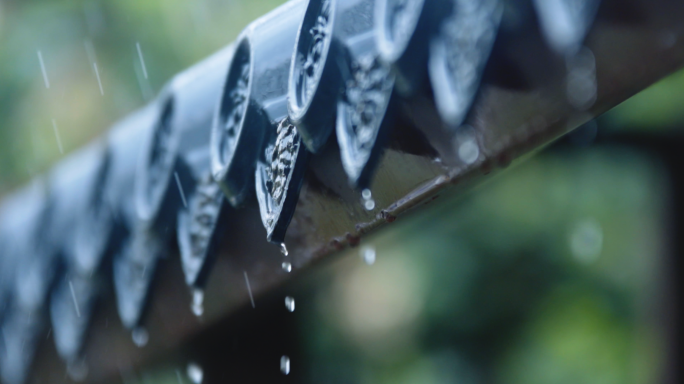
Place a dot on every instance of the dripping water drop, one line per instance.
(195, 373)
(140, 336)
(285, 365)
(367, 199)
(468, 151)
(283, 249)
(290, 303)
(368, 255)
(287, 267)
(197, 302)
(581, 83)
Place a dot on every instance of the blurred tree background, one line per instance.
(73, 37)
(551, 273)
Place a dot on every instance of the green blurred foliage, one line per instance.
(173, 34)
(549, 274)
(656, 109)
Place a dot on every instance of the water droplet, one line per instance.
(285, 365)
(581, 79)
(287, 267)
(290, 303)
(283, 249)
(249, 288)
(468, 151)
(366, 194)
(586, 241)
(57, 136)
(73, 296)
(142, 60)
(180, 189)
(195, 373)
(77, 370)
(367, 199)
(197, 302)
(140, 336)
(368, 255)
(42, 68)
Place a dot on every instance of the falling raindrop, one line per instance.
(90, 51)
(142, 60)
(59, 140)
(366, 194)
(468, 151)
(290, 303)
(367, 199)
(283, 249)
(586, 241)
(99, 82)
(368, 255)
(140, 336)
(73, 296)
(285, 365)
(180, 189)
(249, 288)
(143, 83)
(197, 302)
(287, 267)
(195, 373)
(42, 68)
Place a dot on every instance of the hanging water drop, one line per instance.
(195, 373)
(290, 303)
(197, 302)
(367, 199)
(140, 336)
(581, 83)
(285, 365)
(283, 249)
(368, 255)
(287, 267)
(468, 151)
